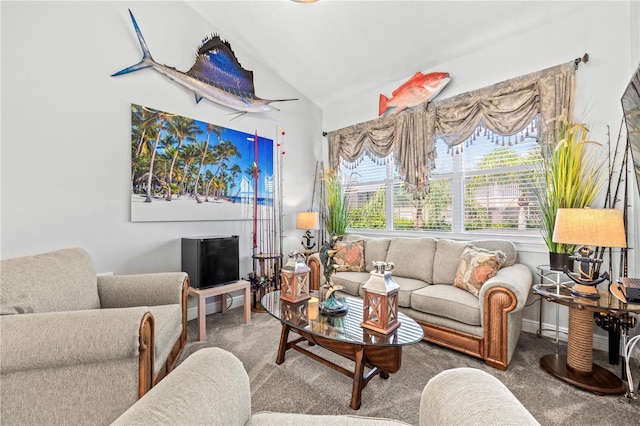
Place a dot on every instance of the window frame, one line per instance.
(457, 176)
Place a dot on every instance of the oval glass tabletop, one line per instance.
(346, 328)
(561, 294)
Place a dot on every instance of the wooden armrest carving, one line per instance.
(498, 303)
(147, 345)
(314, 274)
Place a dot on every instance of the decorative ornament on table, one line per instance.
(419, 89)
(380, 301)
(294, 281)
(216, 75)
(331, 305)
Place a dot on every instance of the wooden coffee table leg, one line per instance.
(284, 336)
(358, 380)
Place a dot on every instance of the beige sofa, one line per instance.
(486, 326)
(76, 348)
(211, 387)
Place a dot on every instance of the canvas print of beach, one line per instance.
(187, 170)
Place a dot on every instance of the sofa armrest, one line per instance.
(59, 339)
(122, 291)
(210, 387)
(515, 278)
(316, 271)
(465, 396)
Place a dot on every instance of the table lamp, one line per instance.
(588, 227)
(307, 221)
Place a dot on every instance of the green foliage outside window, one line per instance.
(371, 214)
(482, 190)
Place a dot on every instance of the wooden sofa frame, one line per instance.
(492, 347)
(147, 347)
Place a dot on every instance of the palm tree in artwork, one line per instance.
(161, 119)
(235, 170)
(224, 183)
(224, 151)
(207, 179)
(218, 186)
(143, 129)
(169, 152)
(143, 133)
(202, 149)
(218, 132)
(183, 128)
(190, 153)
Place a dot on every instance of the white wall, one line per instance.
(66, 130)
(608, 31)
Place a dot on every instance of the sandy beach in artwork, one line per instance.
(186, 208)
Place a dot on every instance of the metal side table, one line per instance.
(551, 279)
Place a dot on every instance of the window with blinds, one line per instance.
(487, 184)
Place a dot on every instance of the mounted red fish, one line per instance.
(417, 90)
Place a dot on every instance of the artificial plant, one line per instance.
(335, 216)
(571, 173)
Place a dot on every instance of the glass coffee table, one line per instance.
(380, 354)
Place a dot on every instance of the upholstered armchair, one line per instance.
(76, 348)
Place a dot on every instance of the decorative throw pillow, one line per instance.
(476, 267)
(350, 256)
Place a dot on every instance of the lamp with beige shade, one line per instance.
(589, 228)
(307, 221)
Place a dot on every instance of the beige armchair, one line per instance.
(76, 348)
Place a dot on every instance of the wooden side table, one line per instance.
(223, 291)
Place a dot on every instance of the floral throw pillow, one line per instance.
(350, 256)
(476, 267)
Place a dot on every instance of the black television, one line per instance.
(631, 108)
(211, 261)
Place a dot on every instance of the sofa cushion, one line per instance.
(374, 249)
(447, 301)
(57, 281)
(350, 281)
(476, 267)
(507, 247)
(446, 260)
(413, 257)
(350, 256)
(407, 286)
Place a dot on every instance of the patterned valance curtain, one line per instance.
(504, 108)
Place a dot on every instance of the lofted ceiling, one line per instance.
(333, 48)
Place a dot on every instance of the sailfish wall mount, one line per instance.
(216, 75)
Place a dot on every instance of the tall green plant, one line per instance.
(571, 175)
(336, 203)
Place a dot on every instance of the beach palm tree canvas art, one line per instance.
(185, 169)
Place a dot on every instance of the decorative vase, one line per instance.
(557, 261)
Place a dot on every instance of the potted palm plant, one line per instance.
(571, 174)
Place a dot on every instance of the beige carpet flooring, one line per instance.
(301, 384)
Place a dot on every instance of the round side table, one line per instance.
(576, 367)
